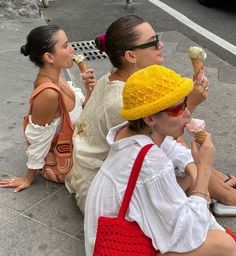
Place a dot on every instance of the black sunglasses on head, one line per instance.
(155, 42)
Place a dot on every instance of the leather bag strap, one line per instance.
(65, 117)
(133, 179)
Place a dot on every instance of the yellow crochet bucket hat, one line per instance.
(151, 90)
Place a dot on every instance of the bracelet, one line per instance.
(205, 194)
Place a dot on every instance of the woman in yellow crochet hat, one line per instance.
(154, 102)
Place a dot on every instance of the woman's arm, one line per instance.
(39, 132)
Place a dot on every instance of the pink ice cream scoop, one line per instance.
(196, 127)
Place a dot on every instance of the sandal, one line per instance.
(232, 179)
(221, 210)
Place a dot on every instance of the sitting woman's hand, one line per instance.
(89, 81)
(19, 183)
(205, 154)
(199, 93)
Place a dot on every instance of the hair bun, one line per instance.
(100, 42)
(24, 50)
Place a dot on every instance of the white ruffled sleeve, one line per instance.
(40, 139)
(179, 154)
(174, 222)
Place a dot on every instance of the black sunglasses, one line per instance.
(155, 42)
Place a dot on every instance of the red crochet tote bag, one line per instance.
(119, 237)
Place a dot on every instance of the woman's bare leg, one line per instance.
(220, 191)
(217, 243)
(225, 177)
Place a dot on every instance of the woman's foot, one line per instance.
(230, 180)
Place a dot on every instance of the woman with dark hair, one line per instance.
(131, 44)
(49, 49)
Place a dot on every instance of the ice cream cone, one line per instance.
(196, 127)
(82, 66)
(80, 61)
(197, 56)
(200, 137)
(197, 66)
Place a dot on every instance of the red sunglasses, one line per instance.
(177, 110)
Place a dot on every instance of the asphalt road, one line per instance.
(84, 19)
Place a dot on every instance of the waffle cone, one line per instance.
(82, 66)
(200, 137)
(197, 64)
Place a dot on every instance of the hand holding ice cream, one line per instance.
(196, 128)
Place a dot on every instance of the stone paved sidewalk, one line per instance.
(44, 219)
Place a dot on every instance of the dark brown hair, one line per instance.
(39, 41)
(119, 37)
(137, 125)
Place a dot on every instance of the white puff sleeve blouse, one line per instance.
(172, 220)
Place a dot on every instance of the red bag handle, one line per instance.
(65, 117)
(133, 179)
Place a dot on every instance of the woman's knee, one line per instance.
(222, 243)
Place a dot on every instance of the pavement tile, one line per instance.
(40, 190)
(60, 211)
(6, 214)
(44, 219)
(16, 105)
(185, 44)
(219, 114)
(227, 74)
(28, 238)
(71, 247)
(170, 47)
(12, 158)
(7, 90)
(180, 64)
(12, 32)
(214, 61)
(212, 75)
(174, 36)
(13, 133)
(6, 56)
